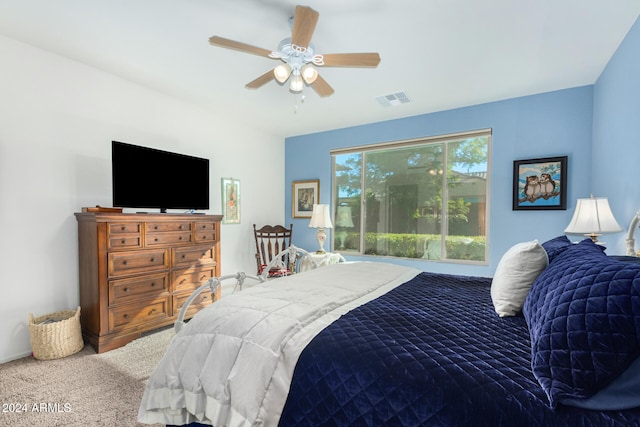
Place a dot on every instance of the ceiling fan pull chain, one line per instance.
(296, 104)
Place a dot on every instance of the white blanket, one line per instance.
(232, 364)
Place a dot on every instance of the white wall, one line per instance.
(57, 120)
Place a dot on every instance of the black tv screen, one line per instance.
(145, 177)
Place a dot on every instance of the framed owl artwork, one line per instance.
(540, 184)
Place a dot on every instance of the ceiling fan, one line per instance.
(298, 58)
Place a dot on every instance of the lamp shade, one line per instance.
(282, 72)
(296, 84)
(321, 217)
(593, 217)
(309, 74)
(343, 217)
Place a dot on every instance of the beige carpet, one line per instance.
(85, 389)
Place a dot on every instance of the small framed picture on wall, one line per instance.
(230, 201)
(304, 195)
(540, 184)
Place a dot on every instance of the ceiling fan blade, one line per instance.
(242, 47)
(260, 81)
(366, 59)
(321, 87)
(304, 24)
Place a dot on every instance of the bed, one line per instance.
(373, 344)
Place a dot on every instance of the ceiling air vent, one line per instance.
(394, 99)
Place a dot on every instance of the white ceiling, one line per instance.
(443, 53)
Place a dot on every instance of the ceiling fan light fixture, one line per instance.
(309, 74)
(282, 72)
(298, 57)
(296, 83)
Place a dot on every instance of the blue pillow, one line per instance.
(583, 314)
(556, 246)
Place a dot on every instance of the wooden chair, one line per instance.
(270, 241)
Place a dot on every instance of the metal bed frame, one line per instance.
(296, 255)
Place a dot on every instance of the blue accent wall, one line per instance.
(545, 125)
(596, 126)
(616, 136)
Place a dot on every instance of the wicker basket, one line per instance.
(55, 335)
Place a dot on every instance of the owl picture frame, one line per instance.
(540, 184)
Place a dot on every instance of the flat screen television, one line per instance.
(148, 178)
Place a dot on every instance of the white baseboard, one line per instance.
(15, 357)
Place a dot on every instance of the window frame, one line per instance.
(442, 139)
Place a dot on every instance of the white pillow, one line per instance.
(518, 268)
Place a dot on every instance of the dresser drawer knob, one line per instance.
(156, 240)
(125, 262)
(203, 277)
(153, 284)
(125, 289)
(153, 260)
(181, 227)
(153, 310)
(123, 241)
(123, 228)
(180, 238)
(126, 316)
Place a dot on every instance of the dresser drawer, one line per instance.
(125, 241)
(123, 263)
(205, 236)
(169, 238)
(190, 279)
(202, 300)
(134, 314)
(149, 286)
(193, 256)
(163, 227)
(124, 228)
(205, 226)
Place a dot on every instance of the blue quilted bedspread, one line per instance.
(432, 352)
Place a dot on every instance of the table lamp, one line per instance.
(321, 219)
(593, 218)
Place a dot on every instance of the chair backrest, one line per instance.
(270, 241)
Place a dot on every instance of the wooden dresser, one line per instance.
(136, 271)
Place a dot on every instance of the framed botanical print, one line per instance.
(540, 184)
(304, 195)
(230, 201)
